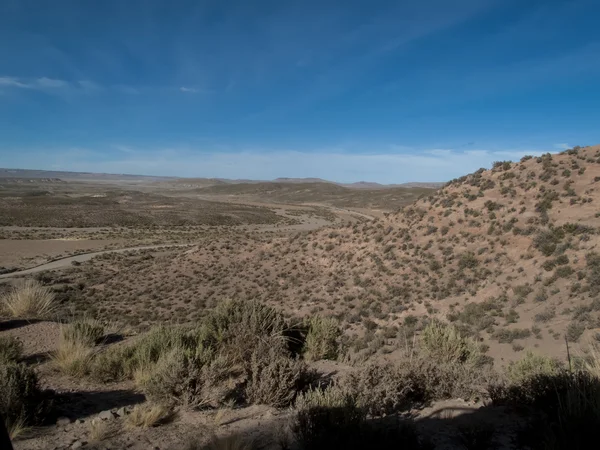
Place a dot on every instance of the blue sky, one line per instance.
(347, 90)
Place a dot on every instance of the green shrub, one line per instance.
(21, 400)
(444, 343)
(532, 365)
(11, 349)
(331, 418)
(547, 241)
(563, 408)
(118, 363)
(326, 416)
(242, 326)
(322, 338)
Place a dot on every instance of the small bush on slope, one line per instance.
(322, 338)
(445, 344)
(29, 300)
(532, 365)
(275, 379)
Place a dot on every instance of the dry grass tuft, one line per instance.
(99, 430)
(29, 300)
(16, 428)
(149, 415)
(87, 331)
(73, 357)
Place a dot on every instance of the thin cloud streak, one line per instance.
(42, 83)
(429, 165)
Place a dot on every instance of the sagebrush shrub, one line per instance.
(275, 379)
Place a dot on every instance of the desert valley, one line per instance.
(155, 312)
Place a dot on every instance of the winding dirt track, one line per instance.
(63, 262)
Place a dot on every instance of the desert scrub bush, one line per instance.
(29, 300)
(380, 389)
(21, 401)
(444, 343)
(242, 326)
(275, 379)
(194, 381)
(322, 414)
(563, 408)
(121, 362)
(468, 260)
(237, 353)
(331, 418)
(11, 349)
(532, 365)
(322, 339)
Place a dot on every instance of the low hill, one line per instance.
(319, 192)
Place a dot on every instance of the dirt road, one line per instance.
(63, 262)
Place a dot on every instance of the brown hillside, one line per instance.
(510, 255)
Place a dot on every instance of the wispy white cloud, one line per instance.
(563, 146)
(42, 83)
(61, 87)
